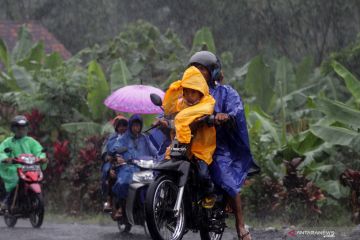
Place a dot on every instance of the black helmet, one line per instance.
(19, 121)
(208, 60)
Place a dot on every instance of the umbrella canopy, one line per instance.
(134, 99)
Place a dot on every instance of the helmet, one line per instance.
(208, 60)
(19, 121)
(119, 120)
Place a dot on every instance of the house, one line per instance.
(9, 31)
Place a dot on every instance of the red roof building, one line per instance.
(9, 31)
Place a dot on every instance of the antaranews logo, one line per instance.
(323, 233)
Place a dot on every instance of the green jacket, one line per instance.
(25, 145)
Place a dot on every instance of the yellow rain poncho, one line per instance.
(204, 142)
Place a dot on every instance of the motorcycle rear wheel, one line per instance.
(160, 201)
(38, 210)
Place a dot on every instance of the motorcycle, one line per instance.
(27, 199)
(173, 203)
(134, 213)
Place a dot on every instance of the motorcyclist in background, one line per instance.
(20, 143)
(138, 146)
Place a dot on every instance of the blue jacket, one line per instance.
(137, 146)
(111, 141)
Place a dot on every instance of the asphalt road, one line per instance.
(66, 231)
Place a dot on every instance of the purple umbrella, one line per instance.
(134, 99)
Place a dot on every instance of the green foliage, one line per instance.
(98, 90)
(23, 45)
(120, 74)
(203, 40)
(4, 56)
(326, 126)
(334, 135)
(140, 54)
(338, 111)
(259, 83)
(24, 80)
(83, 128)
(352, 84)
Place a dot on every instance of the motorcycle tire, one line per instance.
(38, 210)
(160, 201)
(206, 235)
(10, 220)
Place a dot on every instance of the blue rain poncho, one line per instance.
(232, 158)
(137, 147)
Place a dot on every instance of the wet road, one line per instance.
(55, 231)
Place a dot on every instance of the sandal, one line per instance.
(241, 237)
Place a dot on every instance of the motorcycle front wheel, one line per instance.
(37, 210)
(159, 210)
(206, 235)
(10, 220)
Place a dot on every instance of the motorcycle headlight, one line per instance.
(143, 177)
(144, 163)
(28, 160)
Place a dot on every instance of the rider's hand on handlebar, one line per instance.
(7, 160)
(108, 158)
(43, 160)
(161, 122)
(112, 173)
(120, 160)
(221, 117)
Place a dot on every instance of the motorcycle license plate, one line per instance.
(31, 168)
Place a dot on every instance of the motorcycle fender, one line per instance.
(35, 187)
(130, 201)
(33, 176)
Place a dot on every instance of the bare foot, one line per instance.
(244, 234)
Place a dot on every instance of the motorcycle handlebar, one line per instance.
(18, 161)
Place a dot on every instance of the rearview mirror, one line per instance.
(156, 99)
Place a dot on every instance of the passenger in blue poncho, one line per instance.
(138, 146)
(232, 158)
(120, 124)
